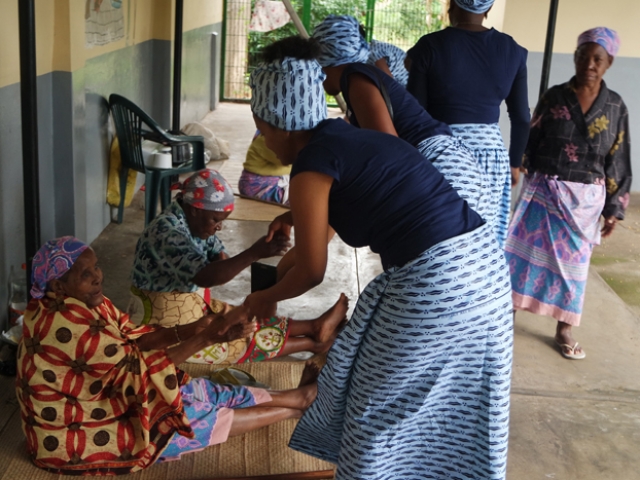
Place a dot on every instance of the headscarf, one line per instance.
(288, 94)
(208, 190)
(52, 261)
(475, 6)
(603, 36)
(340, 41)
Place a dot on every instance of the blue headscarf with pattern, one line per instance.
(340, 41)
(288, 94)
(603, 36)
(475, 6)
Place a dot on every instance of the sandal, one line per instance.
(571, 353)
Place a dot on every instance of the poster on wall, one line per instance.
(104, 22)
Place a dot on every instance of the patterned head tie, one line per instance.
(603, 36)
(288, 94)
(52, 261)
(340, 41)
(475, 6)
(208, 190)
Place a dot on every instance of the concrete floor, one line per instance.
(569, 419)
(617, 259)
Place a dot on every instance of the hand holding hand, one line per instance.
(515, 175)
(281, 225)
(241, 330)
(278, 245)
(217, 330)
(259, 307)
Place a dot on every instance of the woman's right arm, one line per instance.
(518, 108)
(224, 270)
(309, 199)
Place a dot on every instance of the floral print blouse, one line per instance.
(591, 148)
(167, 255)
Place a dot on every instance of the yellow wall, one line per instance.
(9, 40)
(526, 22)
(495, 17)
(199, 13)
(60, 44)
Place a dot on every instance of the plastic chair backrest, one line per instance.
(129, 120)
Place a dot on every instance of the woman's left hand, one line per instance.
(609, 226)
(515, 176)
(259, 307)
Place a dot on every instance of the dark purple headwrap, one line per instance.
(53, 260)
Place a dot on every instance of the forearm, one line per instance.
(158, 339)
(164, 337)
(223, 271)
(294, 283)
(180, 353)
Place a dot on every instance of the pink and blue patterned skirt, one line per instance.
(209, 407)
(265, 188)
(549, 245)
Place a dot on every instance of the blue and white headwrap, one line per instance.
(288, 94)
(340, 41)
(475, 6)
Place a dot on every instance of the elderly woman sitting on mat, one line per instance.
(100, 396)
(179, 257)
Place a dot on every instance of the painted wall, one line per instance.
(75, 131)
(526, 22)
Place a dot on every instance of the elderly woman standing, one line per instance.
(578, 162)
(101, 396)
(416, 385)
(461, 75)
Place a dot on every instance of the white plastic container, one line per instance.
(161, 158)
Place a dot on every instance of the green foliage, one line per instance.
(402, 23)
(319, 10)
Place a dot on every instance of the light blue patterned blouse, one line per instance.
(168, 256)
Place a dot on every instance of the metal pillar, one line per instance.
(548, 46)
(177, 67)
(29, 116)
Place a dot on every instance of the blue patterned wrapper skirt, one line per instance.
(417, 384)
(458, 166)
(485, 141)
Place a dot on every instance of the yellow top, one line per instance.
(262, 161)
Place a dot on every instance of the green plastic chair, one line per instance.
(132, 126)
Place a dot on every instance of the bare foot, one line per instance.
(327, 323)
(309, 374)
(323, 348)
(308, 386)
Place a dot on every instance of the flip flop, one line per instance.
(235, 376)
(572, 355)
